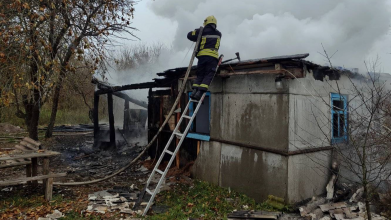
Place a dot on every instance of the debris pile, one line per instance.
(55, 215)
(319, 209)
(341, 203)
(123, 199)
(323, 209)
(118, 199)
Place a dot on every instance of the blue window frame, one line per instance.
(200, 129)
(339, 118)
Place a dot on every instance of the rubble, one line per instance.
(311, 206)
(323, 209)
(338, 204)
(112, 200)
(55, 215)
(122, 199)
(357, 196)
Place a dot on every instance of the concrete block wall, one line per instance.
(252, 172)
(250, 110)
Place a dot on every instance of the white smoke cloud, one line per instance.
(259, 28)
(358, 29)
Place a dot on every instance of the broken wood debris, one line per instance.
(254, 215)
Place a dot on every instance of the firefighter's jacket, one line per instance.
(210, 41)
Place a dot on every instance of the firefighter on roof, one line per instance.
(207, 56)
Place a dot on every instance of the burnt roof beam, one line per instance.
(104, 89)
(132, 100)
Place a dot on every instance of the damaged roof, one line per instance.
(277, 65)
(297, 57)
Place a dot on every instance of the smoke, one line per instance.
(356, 29)
(257, 29)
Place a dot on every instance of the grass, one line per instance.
(204, 200)
(200, 200)
(64, 116)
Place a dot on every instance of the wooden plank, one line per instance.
(28, 145)
(28, 172)
(33, 142)
(22, 148)
(254, 215)
(15, 164)
(45, 169)
(34, 170)
(31, 154)
(48, 183)
(34, 178)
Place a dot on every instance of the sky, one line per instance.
(355, 30)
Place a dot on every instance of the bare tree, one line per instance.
(136, 56)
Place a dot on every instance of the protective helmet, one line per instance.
(210, 20)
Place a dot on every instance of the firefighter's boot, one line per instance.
(198, 95)
(193, 93)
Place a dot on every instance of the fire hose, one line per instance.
(180, 92)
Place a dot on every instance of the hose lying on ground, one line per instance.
(155, 137)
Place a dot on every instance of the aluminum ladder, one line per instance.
(181, 137)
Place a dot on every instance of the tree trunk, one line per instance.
(57, 90)
(33, 129)
(32, 108)
(367, 202)
(56, 98)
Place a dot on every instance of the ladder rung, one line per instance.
(159, 171)
(193, 100)
(149, 191)
(186, 116)
(169, 152)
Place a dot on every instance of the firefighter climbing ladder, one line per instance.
(181, 137)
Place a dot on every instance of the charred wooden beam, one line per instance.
(126, 116)
(111, 119)
(161, 92)
(96, 114)
(104, 89)
(129, 99)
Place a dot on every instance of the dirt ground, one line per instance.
(8, 128)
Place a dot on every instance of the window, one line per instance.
(200, 129)
(339, 118)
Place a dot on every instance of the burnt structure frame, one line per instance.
(288, 67)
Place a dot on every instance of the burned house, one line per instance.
(256, 131)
